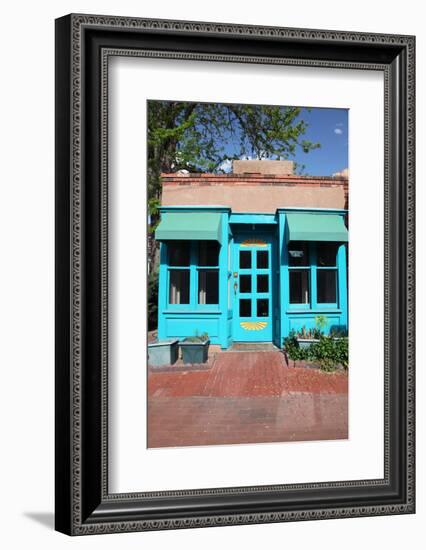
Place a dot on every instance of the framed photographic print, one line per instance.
(234, 274)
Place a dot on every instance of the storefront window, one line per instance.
(208, 253)
(326, 286)
(313, 273)
(299, 286)
(208, 286)
(326, 277)
(298, 254)
(326, 254)
(179, 257)
(179, 254)
(298, 257)
(179, 286)
(193, 264)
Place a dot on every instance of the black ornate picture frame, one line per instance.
(84, 43)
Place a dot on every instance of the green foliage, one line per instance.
(197, 338)
(153, 299)
(308, 334)
(342, 351)
(154, 204)
(321, 321)
(195, 136)
(293, 349)
(324, 351)
(328, 351)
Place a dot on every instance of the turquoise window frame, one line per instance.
(313, 268)
(194, 268)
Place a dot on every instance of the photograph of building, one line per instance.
(251, 255)
(248, 319)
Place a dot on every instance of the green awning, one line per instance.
(194, 226)
(316, 227)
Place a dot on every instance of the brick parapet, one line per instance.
(250, 179)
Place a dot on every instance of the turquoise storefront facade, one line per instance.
(250, 276)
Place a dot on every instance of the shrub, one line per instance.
(293, 350)
(328, 351)
(342, 352)
(324, 352)
(153, 299)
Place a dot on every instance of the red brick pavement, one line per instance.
(246, 398)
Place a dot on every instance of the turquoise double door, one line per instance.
(253, 287)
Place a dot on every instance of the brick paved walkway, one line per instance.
(246, 398)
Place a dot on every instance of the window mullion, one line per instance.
(193, 277)
(313, 274)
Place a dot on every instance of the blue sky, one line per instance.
(329, 127)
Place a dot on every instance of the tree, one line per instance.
(202, 137)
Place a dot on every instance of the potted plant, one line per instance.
(162, 352)
(195, 349)
(307, 337)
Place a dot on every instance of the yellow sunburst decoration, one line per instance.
(253, 242)
(253, 325)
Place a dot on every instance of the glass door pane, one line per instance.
(262, 283)
(262, 307)
(245, 283)
(245, 307)
(245, 259)
(262, 259)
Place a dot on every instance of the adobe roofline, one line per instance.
(218, 208)
(249, 176)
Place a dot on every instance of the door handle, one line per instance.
(235, 288)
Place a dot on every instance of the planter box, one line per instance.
(305, 343)
(162, 353)
(194, 352)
